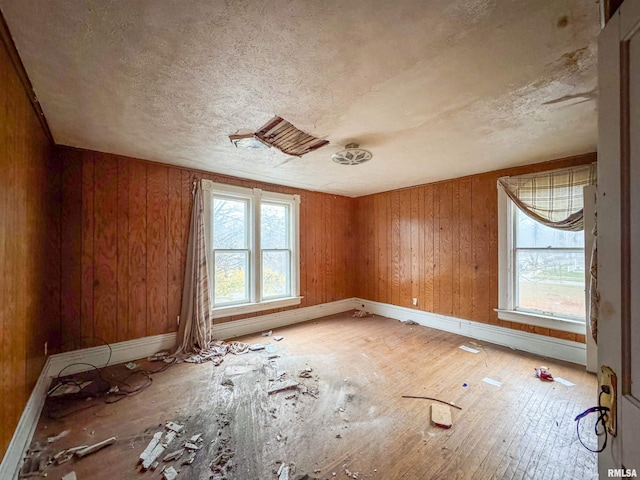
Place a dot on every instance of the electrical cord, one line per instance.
(600, 421)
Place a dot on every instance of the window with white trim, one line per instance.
(252, 239)
(541, 272)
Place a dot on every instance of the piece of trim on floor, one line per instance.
(557, 348)
(78, 361)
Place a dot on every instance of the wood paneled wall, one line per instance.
(124, 243)
(439, 243)
(29, 246)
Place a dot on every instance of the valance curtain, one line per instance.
(553, 198)
(196, 326)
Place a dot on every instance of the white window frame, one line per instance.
(254, 196)
(506, 277)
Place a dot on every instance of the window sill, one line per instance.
(222, 312)
(528, 318)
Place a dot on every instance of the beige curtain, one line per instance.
(553, 198)
(196, 326)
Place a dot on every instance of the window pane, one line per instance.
(231, 277)
(230, 223)
(551, 281)
(275, 274)
(530, 233)
(274, 226)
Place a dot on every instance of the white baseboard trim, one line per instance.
(78, 361)
(557, 348)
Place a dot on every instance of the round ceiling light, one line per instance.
(352, 155)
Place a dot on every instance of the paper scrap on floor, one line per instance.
(564, 382)
(469, 349)
(491, 381)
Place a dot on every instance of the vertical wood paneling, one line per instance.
(404, 215)
(465, 224)
(105, 257)
(88, 221)
(122, 322)
(439, 243)
(157, 258)
(137, 250)
(29, 247)
(174, 252)
(71, 253)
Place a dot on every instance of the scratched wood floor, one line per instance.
(358, 422)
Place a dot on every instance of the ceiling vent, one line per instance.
(281, 134)
(352, 155)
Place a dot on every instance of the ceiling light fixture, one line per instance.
(352, 155)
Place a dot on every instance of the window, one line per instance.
(541, 272)
(252, 248)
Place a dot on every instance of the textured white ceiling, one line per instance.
(434, 89)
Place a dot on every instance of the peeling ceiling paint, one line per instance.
(434, 90)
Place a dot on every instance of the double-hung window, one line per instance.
(542, 272)
(252, 239)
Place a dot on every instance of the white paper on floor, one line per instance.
(564, 382)
(491, 381)
(469, 349)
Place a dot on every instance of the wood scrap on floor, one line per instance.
(441, 415)
(435, 400)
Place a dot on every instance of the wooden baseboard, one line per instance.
(557, 348)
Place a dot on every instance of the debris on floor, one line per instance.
(435, 400)
(159, 356)
(543, 373)
(270, 348)
(277, 338)
(491, 381)
(468, 349)
(95, 447)
(227, 382)
(256, 346)
(34, 462)
(441, 415)
(131, 365)
(306, 373)
(283, 472)
(411, 322)
(70, 476)
(282, 385)
(175, 455)
(55, 438)
(361, 314)
(564, 382)
(267, 334)
(169, 473)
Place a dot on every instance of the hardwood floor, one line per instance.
(359, 421)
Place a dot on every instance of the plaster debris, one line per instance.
(256, 346)
(170, 473)
(189, 460)
(95, 447)
(176, 427)
(306, 373)
(564, 382)
(196, 438)
(491, 381)
(468, 349)
(131, 365)
(191, 446)
(176, 454)
(55, 438)
(227, 382)
(150, 447)
(283, 472)
(267, 334)
(277, 338)
(156, 357)
(70, 476)
(411, 322)
(280, 386)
